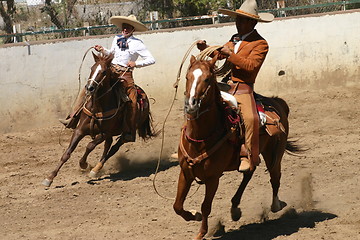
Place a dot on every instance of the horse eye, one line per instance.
(206, 80)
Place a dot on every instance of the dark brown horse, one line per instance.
(102, 116)
(208, 146)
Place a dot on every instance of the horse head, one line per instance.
(100, 73)
(199, 79)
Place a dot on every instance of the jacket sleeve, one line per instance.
(253, 60)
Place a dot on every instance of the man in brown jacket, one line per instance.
(246, 50)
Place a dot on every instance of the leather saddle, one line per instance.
(268, 114)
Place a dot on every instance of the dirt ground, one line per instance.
(321, 188)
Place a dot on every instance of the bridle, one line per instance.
(92, 80)
(201, 98)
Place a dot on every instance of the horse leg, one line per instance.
(100, 164)
(89, 148)
(184, 185)
(273, 163)
(113, 149)
(235, 201)
(107, 154)
(75, 139)
(211, 186)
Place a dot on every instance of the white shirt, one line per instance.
(237, 45)
(135, 49)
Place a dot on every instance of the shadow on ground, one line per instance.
(287, 224)
(136, 169)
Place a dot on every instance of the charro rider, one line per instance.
(126, 49)
(246, 50)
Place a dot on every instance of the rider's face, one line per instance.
(244, 25)
(127, 30)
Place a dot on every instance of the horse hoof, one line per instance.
(279, 205)
(200, 236)
(197, 215)
(235, 213)
(92, 174)
(83, 165)
(47, 182)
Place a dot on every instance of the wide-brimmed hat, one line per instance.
(131, 20)
(249, 9)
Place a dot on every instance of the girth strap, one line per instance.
(97, 117)
(205, 155)
(100, 115)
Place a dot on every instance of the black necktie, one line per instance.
(121, 42)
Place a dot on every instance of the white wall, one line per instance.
(315, 51)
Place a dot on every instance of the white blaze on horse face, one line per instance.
(197, 73)
(96, 72)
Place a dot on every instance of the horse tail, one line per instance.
(294, 148)
(146, 130)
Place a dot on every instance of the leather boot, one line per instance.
(65, 121)
(244, 164)
(70, 122)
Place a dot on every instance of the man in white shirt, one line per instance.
(126, 49)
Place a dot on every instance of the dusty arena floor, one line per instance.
(321, 188)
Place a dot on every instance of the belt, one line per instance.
(240, 88)
(120, 68)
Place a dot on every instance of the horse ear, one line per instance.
(192, 59)
(110, 58)
(214, 59)
(96, 57)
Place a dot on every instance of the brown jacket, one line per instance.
(249, 58)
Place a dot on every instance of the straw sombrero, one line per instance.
(249, 9)
(131, 20)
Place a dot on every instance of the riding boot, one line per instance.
(70, 122)
(244, 164)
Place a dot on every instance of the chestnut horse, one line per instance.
(102, 116)
(208, 147)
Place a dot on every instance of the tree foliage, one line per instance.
(7, 13)
(185, 8)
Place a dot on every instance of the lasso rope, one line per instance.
(203, 55)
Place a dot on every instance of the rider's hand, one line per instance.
(131, 64)
(98, 48)
(225, 50)
(201, 45)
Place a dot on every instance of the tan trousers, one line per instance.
(79, 102)
(247, 107)
(131, 117)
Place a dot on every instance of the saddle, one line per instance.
(269, 118)
(268, 115)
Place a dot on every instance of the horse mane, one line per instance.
(103, 57)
